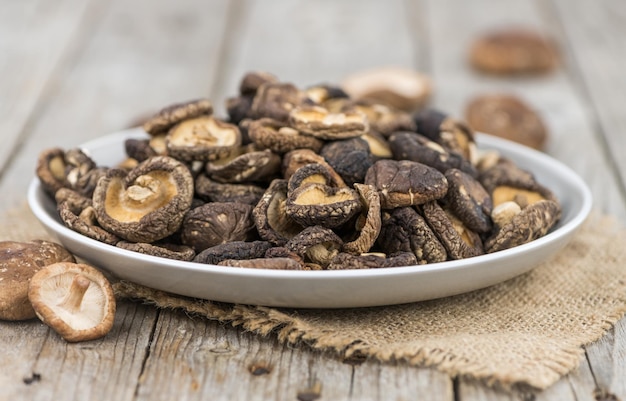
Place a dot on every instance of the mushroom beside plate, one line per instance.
(328, 289)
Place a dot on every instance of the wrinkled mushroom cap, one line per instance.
(270, 218)
(267, 133)
(316, 244)
(51, 169)
(260, 165)
(162, 121)
(162, 250)
(19, 261)
(345, 261)
(319, 204)
(75, 300)
(469, 200)
(320, 123)
(147, 204)
(369, 229)
(202, 138)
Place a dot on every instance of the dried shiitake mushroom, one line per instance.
(319, 173)
(276, 100)
(528, 224)
(401, 88)
(213, 191)
(202, 138)
(19, 261)
(469, 201)
(319, 122)
(216, 223)
(316, 244)
(418, 148)
(507, 116)
(165, 119)
(146, 204)
(295, 159)
(139, 149)
(513, 51)
(264, 263)
(345, 261)
(350, 158)
(279, 137)
(271, 221)
(449, 132)
(75, 300)
(323, 93)
(404, 230)
(369, 223)
(405, 183)
(459, 241)
(319, 204)
(252, 81)
(250, 166)
(382, 119)
(234, 250)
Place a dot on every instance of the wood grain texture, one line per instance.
(35, 38)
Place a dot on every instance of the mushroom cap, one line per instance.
(401, 88)
(213, 191)
(469, 201)
(317, 121)
(507, 116)
(405, 183)
(233, 250)
(317, 244)
(260, 165)
(370, 228)
(276, 100)
(295, 159)
(78, 214)
(264, 263)
(166, 118)
(321, 173)
(344, 261)
(253, 80)
(382, 118)
(319, 204)
(146, 204)
(202, 138)
(19, 261)
(271, 221)
(350, 158)
(51, 169)
(75, 300)
(530, 223)
(163, 250)
(279, 137)
(513, 51)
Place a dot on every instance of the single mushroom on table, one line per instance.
(146, 204)
(74, 299)
(19, 261)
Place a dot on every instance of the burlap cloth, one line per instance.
(528, 331)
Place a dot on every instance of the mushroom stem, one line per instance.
(74, 296)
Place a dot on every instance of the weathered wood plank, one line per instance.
(35, 37)
(140, 58)
(607, 358)
(598, 54)
(38, 364)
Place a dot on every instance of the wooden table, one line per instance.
(73, 70)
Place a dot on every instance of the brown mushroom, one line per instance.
(260, 165)
(505, 181)
(316, 244)
(345, 261)
(469, 201)
(508, 117)
(78, 214)
(449, 132)
(238, 108)
(418, 148)
(319, 94)
(369, 223)
(320, 173)
(51, 170)
(213, 191)
(295, 159)
(75, 300)
(276, 100)
(527, 225)
(264, 263)
(459, 241)
(404, 230)
(146, 204)
(405, 183)
(139, 149)
(319, 204)
(252, 81)
(382, 119)
(238, 250)
(350, 158)
(216, 223)
(279, 137)
(19, 261)
(165, 119)
(401, 88)
(271, 221)
(513, 51)
(284, 252)
(202, 138)
(160, 249)
(317, 121)
(378, 145)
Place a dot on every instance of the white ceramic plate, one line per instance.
(328, 289)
